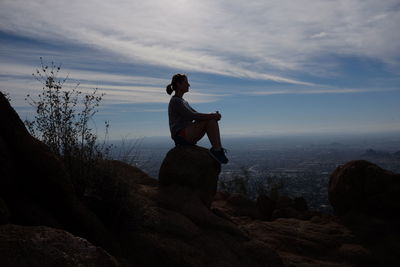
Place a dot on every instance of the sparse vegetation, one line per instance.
(247, 184)
(63, 122)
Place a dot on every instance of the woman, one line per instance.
(187, 125)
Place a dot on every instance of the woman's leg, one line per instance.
(198, 129)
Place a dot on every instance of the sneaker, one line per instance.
(219, 155)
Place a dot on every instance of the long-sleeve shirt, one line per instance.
(180, 114)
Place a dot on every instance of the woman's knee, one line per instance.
(212, 122)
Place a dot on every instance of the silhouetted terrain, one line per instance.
(127, 218)
(303, 162)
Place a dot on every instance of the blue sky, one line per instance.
(270, 67)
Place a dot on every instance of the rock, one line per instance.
(287, 212)
(367, 199)
(23, 246)
(221, 195)
(130, 215)
(191, 167)
(35, 186)
(284, 202)
(242, 206)
(363, 187)
(4, 212)
(300, 204)
(283, 207)
(182, 200)
(310, 243)
(171, 226)
(266, 207)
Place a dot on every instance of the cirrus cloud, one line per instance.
(266, 40)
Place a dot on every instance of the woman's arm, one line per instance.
(206, 117)
(186, 111)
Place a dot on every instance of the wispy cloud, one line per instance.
(118, 88)
(257, 39)
(309, 91)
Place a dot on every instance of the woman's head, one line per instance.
(178, 81)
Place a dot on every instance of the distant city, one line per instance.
(303, 163)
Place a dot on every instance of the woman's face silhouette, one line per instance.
(183, 86)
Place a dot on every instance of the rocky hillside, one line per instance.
(131, 219)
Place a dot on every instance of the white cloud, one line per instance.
(16, 80)
(308, 91)
(255, 39)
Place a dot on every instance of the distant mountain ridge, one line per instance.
(371, 153)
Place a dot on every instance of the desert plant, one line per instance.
(274, 186)
(127, 150)
(62, 121)
(238, 183)
(253, 186)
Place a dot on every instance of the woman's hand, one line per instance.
(217, 115)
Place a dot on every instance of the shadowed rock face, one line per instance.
(193, 168)
(147, 226)
(34, 186)
(363, 187)
(152, 225)
(40, 246)
(367, 199)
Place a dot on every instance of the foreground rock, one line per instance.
(264, 208)
(125, 212)
(34, 186)
(317, 242)
(363, 187)
(322, 240)
(176, 224)
(171, 226)
(367, 200)
(23, 246)
(193, 168)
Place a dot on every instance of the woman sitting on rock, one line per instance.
(187, 125)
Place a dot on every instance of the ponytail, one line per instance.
(175, 79)
(169, 89)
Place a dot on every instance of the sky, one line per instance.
(270, 67)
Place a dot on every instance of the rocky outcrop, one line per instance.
(321, 241)
(35, 186)
(125, 211)
(29, 246)
(4, 212)
(264, 208)
(171, 225)
(171, 222)
(193, 168)
(367, 200)
(363, 187)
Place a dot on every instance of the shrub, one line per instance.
(62, 121)
(253, 186)
(238, 183)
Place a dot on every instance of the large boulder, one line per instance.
(4, 212)
(125, 211)
(171, 226)
(35, 186)
(193, 168)
(365, 188)
(367, 200)
(23, 246)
